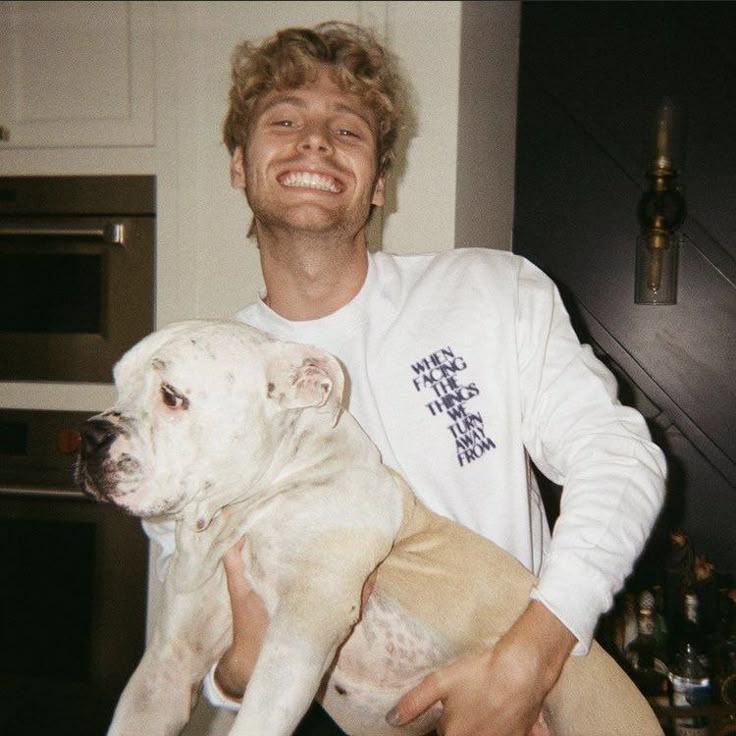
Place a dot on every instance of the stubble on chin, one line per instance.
(307, 223)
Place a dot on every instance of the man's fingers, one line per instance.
(368, 586)
(416, 701)
(540, 728)
(232, 561)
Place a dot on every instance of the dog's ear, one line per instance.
(300, 376)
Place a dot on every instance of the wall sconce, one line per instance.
(661, 212)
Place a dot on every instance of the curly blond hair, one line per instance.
(293, 57)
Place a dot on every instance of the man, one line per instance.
(461, 366)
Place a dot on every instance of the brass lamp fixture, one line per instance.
(661, 212)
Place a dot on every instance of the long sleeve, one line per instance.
(600, 451)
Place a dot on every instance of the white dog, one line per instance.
(229, 433)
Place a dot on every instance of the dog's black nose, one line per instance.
(97, 435)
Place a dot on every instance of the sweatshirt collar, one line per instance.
(344, 318)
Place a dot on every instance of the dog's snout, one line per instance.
(97, 435)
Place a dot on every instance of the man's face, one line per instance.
(310, 163)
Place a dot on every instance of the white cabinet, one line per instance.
(76, 74)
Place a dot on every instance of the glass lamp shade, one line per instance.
(657, 255)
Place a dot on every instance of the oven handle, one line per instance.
(44, 493)
(113, 232)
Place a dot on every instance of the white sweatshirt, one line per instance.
(460, 361)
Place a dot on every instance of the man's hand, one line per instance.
(250, 622)
(498, 692)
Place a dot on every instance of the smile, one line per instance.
(310, 180)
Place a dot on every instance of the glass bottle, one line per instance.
(705, 586)
(661, 629)
(643, 659)
(678, 578)
(628, 622)
(689, 676)
(727, 652)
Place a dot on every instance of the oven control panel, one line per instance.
(38, 450)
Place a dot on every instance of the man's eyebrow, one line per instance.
(352, 111)
(287, 99)
(284, 99)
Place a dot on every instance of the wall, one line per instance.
(459, 166)
(205, 265)
(486, 135)
(221, 269)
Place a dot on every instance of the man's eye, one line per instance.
(345, 132)
(284, 123)
(172, 398)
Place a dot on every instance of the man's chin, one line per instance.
(310, 218)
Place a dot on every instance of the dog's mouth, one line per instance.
(108, 471)
(104, 479)
(122, 484)
(98, 473)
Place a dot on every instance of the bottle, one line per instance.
(678, 578)
(644, 661)
(661, 630)
(622, 626)
(705, 586)
(728, 673)
(692, 629)
(727, 651)
(629, 624)
(689, 675)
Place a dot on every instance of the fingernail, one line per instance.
(392, 717)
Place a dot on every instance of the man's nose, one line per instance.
(316, 137)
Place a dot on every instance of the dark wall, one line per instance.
(591, 77)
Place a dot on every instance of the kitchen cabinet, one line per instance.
(76, 74)
(584, 126)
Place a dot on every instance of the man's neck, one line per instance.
(312, 276)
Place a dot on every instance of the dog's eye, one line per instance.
(172, 398)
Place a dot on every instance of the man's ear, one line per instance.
(237, 169)
(379, 192)
(300, 376)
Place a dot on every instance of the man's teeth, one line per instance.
(310, 180)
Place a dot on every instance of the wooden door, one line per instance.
(591, 77)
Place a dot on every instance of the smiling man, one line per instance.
(462, 366)
(310, 173)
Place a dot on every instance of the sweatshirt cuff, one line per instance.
(575, 593)
(215, 696)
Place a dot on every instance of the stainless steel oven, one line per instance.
(76, 274)
(73, 582)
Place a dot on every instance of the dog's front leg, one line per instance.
(301, 643)
(192, 633)
(158, 698)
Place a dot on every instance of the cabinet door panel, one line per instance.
(76, 74)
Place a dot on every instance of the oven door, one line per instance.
(73, 586)
(75, 293)
(72, 613)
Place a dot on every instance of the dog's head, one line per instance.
(201, 408)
